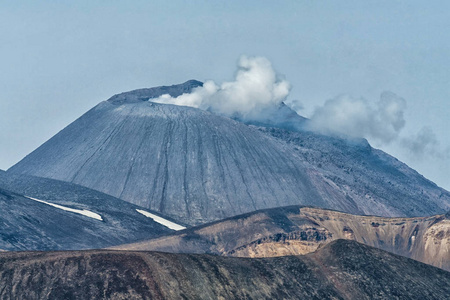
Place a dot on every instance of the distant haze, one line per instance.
(59, 59)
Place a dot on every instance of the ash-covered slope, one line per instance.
(190, 164)
(369, 177)
(297, 230)
(340, 270)
(67, 216)
(197, 167)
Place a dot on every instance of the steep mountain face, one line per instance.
(196, 166)
(298, 230)
(341, 270)
(359, 171)
(180, 161)
(56, 215)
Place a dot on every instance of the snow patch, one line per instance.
(83, 212)
(161, 221)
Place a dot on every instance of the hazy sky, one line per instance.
(60, 58)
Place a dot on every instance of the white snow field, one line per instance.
(83, 212)
(161, 221)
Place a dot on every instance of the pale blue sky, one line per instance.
(58, 60)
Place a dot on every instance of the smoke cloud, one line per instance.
(256, 89)
(425, 143)
(257, 94)
(381, 121)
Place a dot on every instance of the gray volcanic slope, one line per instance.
(196, 166)
(26, 224)
(368, 176)
(340, 270)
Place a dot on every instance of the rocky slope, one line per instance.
(300, 230)
(340, 270)
(365, 176)
(66, 216)
(196, 166)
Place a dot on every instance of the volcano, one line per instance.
(196, 166)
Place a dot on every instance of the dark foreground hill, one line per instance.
(196, 166)
(340, 270)
(67, 216)
(298, 230)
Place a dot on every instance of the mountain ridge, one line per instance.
(298, 230)
(145, 94)
(46, 214)
(340, 270)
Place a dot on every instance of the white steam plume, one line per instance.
(255, 89)
(357, 117)
(425, 143)
(256, 94)
(380, 122)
